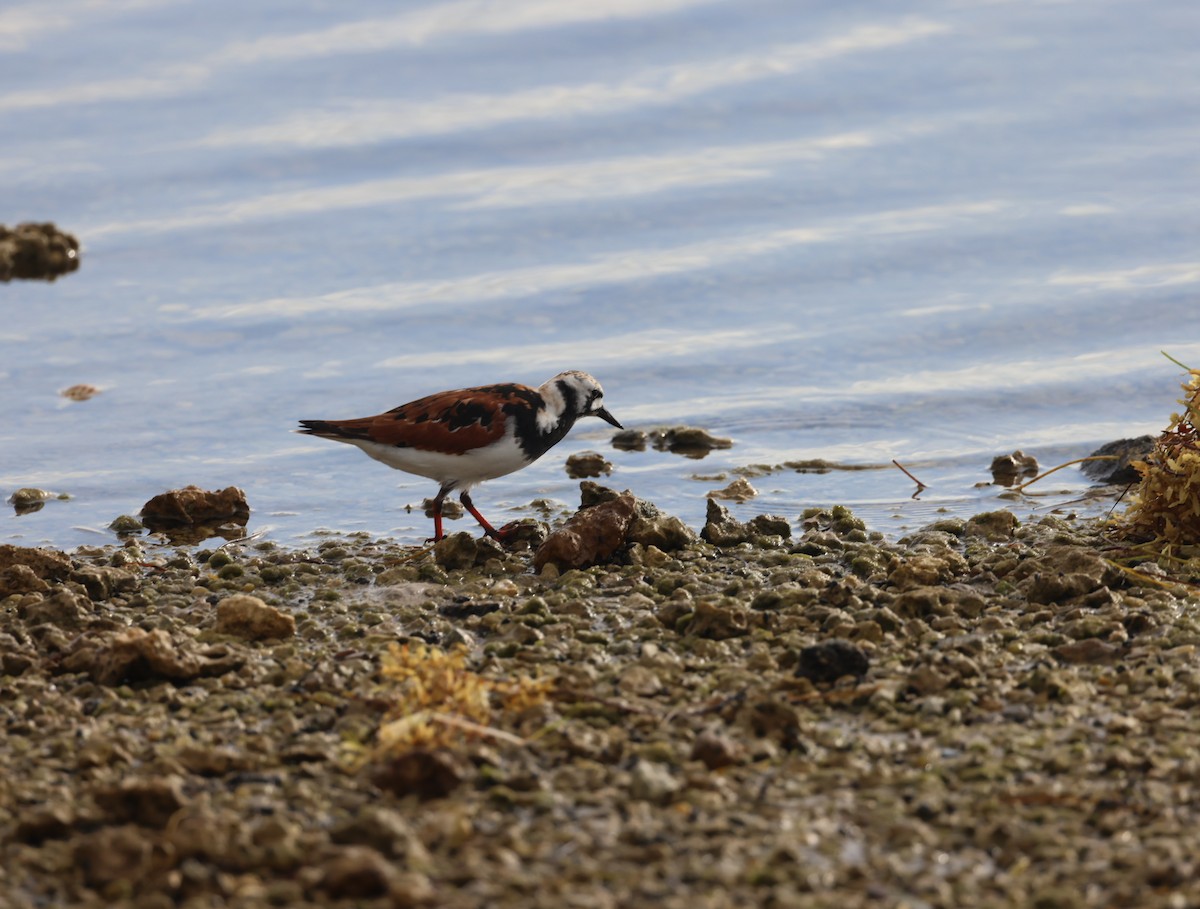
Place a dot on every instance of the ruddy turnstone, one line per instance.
(464, 437)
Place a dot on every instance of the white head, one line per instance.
(576, 393)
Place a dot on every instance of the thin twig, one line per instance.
(920, 486)
(477, 728)
(1176, 362)
(1021, 488)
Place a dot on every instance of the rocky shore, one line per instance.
(778, 713)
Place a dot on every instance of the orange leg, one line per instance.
(437, 514)
(487, 528)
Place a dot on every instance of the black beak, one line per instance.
(604, 415)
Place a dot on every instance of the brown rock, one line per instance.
(588, 464)
(462, 550)
(590, 537)
(1089, 650)
(721, 528)
(134, 654)
(102, 581)
(66, 609)
(719, 621)
(20, 579)
(47, 564)
(193, 505)
(248, 617)
(1066, 572)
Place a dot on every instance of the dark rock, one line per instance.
(689, 441)
(39, 252)
(1007, 469)
(629, 440)
(426, 773)
(1119, 471)
(828, 661)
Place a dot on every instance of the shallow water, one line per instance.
(933, 232)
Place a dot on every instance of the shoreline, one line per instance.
(982, 713)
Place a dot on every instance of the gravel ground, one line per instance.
(981, 714)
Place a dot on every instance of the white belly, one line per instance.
(459, 471)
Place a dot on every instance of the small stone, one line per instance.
(29, 497)
(588, 464)
(739, 490)
(81, 392)
(666, 533)
(248, 617)
(113, 854)
(651, 781)
(716, 750)
(125, 524)
(629, 440)
(993, 526)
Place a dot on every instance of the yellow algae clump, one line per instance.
(440, 703)
(1166, 504)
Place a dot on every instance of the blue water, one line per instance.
(933, 232)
